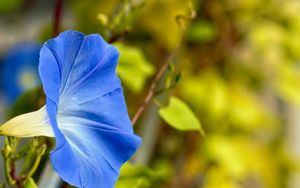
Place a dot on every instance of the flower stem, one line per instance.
(10, 147)
(39, 155)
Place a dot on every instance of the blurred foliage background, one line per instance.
(235, 76)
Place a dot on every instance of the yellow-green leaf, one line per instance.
(30, 184)
(202, 32)
(139, 176)
(179, 115)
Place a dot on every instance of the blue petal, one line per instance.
(21, 59)
(86, 108)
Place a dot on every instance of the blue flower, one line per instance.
(19, 72)
(85, 111)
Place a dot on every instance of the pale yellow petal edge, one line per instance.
(28, 125)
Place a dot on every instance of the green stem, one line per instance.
(39, 154)
(33, 150)
(26, 165)
(23, 151)
(6, 153)
(30, 155)
(7, 172)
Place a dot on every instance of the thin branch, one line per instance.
(115, 38)
(151, 92)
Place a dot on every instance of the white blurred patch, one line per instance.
(28, 79)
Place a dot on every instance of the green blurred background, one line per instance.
(237, 69)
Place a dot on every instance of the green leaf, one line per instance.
(133, 68)
(169, 75)
(178, 77)
(139, 176)
(31, 184)
(138, 182)
(202, 32)
(179, 116)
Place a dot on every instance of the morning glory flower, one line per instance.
(85, 111)
(19, 71)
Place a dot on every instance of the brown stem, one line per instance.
(115, 38)
(16, 178)
(57, 17)
(151, 92)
